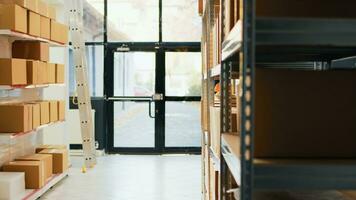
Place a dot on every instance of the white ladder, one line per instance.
(82, 85)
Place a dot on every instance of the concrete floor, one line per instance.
(119, 177)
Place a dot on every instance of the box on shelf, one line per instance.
(215, 129)
(43, 73)
(60, 159)
(300, 114)
(47, 163)
(33, 72)
(52, 14)
(51, 71)
(32, 50)
(59, 73)
(53, 111)
(49, 146)
(43, 8)
(13, 17)
(12, 72)
(45, 28)
(34, 24)
(15, 118)
(61, 110)
(33, 172)
(29, 4)
(44, 112)
(59, 32)
(12, 185)
(36, 115)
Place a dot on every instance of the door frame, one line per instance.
(160, 49)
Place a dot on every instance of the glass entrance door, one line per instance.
(153, 101)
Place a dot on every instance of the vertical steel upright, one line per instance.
(247, 78)
(81, 71)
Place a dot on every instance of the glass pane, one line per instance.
(95, 62)
(183, 74)
(183, 124)
(134, 74)
(181, 21)
(94, 20)
(133, 20)
(132, 125)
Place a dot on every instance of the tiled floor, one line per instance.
(119, 177)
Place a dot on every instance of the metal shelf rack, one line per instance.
(296, 43)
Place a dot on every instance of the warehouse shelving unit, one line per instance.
(288, 43)
(13, 93)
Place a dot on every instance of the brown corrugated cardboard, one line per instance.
(52, 14)
(32, 50)
(12, 72)
(33, 71)
(43, 74)
(15, 118)
(59, 32)
(61, 110)
(51, 71)
(59, 73)
(36, 115)
(47, 163)
(29, 4)
(44, 112)
(60, 159)
(33, 172)
(304, 114)
(13, 17)
(43, 8)
(53, 111)
(45, 28)
(34, 24)
(49, 146)
(215, 129)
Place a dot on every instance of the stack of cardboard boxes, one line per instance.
(25, 117)
(32, 17)
(30, 66)
(40, 167)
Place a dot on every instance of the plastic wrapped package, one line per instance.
(12, 185)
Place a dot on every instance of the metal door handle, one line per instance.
(150, 110)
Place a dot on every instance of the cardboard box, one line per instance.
(49, 146)
(13, 17)
(51, 71)
(61, 110)
(52, 14)
(32, 50)
(28, 4)
(44, 112)
(60, 159)
(47, 163)
(36, 115)
(53, 111)
(45, 28)
(12, 185)
(33, 172)
(43, 74)
(59, 73)
(33, 71)
(305, 114)
(15, 118)
(43, 8)
(215, 129)
(34, 24)
(59, 32)
(13, 72)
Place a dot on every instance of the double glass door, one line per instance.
(153, 100)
